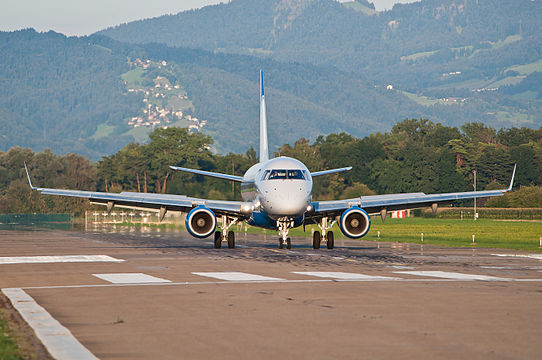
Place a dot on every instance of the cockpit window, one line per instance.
(281, 174)
(295, 174)
(277, 174)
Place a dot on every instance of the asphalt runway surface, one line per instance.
(127, 294)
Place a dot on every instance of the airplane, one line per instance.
(277, 195)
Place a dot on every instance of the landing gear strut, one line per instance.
(326, 235)
(225, 235)
(284, 225)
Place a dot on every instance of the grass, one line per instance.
(359, 7)
(102, 131)
(489, 233)
(8, 348)
(134, 76)
(417, 56)
(423, 100)
(519, 235)
(526, 69)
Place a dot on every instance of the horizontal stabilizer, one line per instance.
(209, 173)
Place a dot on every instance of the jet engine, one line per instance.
(200, 222)
(355, 223)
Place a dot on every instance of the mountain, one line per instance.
(329, 67)
(92, 95)
(55, 91)
(453, 50)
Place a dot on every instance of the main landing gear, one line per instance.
(284, 225)
(225, 235)
(328, 236)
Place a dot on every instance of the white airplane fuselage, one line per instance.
(279, 188)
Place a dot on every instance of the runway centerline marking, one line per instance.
(344, 275)
(131, 278)
(57, 259)
(57, 339)
(236, 276)
(453, 275)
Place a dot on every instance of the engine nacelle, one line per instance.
(201, 222)
(355, 223)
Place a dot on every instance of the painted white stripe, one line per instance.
(57, 259)
(453, 275)
(236, 276)
(343, 275)
(131, 278)
(530, 256)
(58, 340)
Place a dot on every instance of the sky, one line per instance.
(84, 17)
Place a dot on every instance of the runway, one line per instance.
(126, 294)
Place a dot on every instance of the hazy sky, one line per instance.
(83, 17)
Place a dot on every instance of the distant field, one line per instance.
(520, 235)
(488, 233)
(526, 69)
(417, 56)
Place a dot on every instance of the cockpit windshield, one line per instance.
(283, 174)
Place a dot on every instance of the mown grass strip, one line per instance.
(8, 348)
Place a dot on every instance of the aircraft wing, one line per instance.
(391, 202)
(147, 201)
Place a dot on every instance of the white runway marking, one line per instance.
(530, 256)
(130, 278)
(453, 275)
(58, 340)
(236, 276)
(56, 259)
(343, 275)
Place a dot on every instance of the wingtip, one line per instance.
(261, 83)
(28, 176)
(512, 180)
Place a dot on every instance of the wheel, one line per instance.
(316, 238)
(280, 243)
(218, 239)
(288, 244)
(330, 240)
(231, 240)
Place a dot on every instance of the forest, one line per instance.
(416, 155)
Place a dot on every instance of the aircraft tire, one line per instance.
(288, 244)
(218, 239)
(231, 240)
(316, 239)
(330, 240)
(280, 243)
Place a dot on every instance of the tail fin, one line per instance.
(264, 151)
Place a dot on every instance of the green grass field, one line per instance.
(488, 233)
(8, 348)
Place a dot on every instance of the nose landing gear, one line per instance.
(284, 226)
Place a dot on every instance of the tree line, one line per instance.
(416, 155)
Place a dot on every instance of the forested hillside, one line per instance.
(55, 91)
(480, 53)
(329, 68)
(416, 155)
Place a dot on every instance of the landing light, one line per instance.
(309, 208)
(246, 208)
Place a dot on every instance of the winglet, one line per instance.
(512, 181)
(28, 176)
(264, 151)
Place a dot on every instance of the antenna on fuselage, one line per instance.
(264, 151)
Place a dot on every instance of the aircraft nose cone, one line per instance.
(286, 202)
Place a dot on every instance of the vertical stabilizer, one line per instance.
(264, 151)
